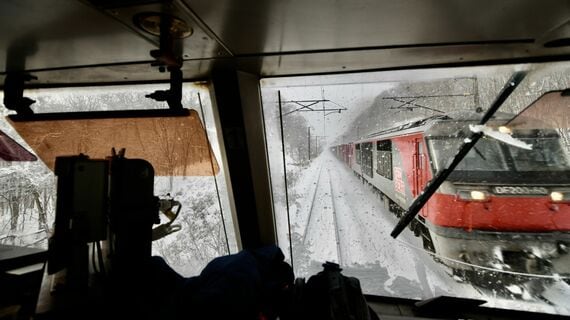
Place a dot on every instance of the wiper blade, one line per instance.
(468, 144)
(500, 136)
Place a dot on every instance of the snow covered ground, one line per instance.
(335, 217)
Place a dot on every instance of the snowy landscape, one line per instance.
(345, 221)
(335, 216)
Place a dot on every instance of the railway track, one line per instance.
(312, 206)
(340, 190)
(335, 220)
(323, 211)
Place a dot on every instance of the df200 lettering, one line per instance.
(520, 190)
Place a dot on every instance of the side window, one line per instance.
(384, 159)
(367, 164)
(183, 150)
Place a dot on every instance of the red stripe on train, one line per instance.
(499, 213)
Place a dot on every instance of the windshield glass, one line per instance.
(486, 155)
(546, 155)
(491, 155)
(353, 151)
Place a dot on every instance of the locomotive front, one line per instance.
(504, 207)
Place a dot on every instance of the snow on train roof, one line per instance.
(446, 124)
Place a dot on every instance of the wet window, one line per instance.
(486, 155)
(497, 229)
(546, 154)
(183, 150)
(384, 152)
(367, 159)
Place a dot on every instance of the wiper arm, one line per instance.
(468, 144)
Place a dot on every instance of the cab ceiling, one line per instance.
(66, 42)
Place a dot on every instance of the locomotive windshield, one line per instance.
(492, 155)
(546, 154)
(485, 156)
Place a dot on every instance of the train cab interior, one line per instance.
(196, 129)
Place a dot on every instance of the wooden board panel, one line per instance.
(175, 146)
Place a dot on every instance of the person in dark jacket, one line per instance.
(247, 285)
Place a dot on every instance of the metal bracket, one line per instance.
(173, 96)
(14, 93)
(167, 58)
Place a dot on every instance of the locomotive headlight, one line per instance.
(473, 195)
(504, 129)
(478, 195)
(557, 196)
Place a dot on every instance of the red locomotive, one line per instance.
(503, 207)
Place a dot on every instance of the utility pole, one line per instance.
(309, 139)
